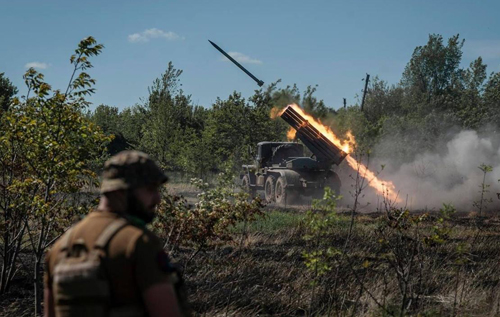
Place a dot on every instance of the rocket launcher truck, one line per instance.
(284, 173)
(281, 169)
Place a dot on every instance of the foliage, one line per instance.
(441, 231)
(7, 91)
(320, 226)
(171, 123)
(47, 148)
(403, 243)
(482, 202)
(320, 222)
(108, 119)
(434, 97)
(210, 220)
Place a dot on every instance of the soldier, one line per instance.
(109, 264)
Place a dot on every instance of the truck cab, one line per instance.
(276, 154)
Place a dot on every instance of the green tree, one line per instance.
(7, 91)
(132, 124)
(108, 118)
(48, 146)
(262, 102)
(492, 99)
(227, 130)
(471, 110)
(433, 71)
(171, 121)
(313, 106)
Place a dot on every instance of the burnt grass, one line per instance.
(262, 271)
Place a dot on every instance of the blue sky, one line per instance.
(329, 43)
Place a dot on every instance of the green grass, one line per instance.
(273, 222)
(277, 221)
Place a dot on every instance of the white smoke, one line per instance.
(451, 175)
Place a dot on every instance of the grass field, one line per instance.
(391, 264)
(266, 274)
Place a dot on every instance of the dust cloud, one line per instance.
(449, 175)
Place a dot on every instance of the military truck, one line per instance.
(284, 173)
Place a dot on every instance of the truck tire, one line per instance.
(280, 192)
(333, 181)
(269, 189)
(245, 184)
(319, 193)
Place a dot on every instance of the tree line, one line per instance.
(434, 96)
(195, 140)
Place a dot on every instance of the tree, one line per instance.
(48, 147)
(471, 109)
(228, 129)
(312, 105)
(171, 117)
(263, 101)
(132, 124)
(108, 119)
(492, 98)
(7, 91)
(434, 70)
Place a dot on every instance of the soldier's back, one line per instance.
(131, 260)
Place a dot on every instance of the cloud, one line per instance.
(153, 33)
(487, 49)
(37, 65)
(242, 58)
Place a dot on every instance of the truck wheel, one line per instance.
(280, 192)
(318, 193)
(245, 184)
(333, 181)
(269, 188)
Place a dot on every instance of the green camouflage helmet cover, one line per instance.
(130, 169)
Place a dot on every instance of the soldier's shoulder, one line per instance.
(133, 230)
(131, 238)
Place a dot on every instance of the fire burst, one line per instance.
(385, 188)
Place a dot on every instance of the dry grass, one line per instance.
(266, 275)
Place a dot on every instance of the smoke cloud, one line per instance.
(450, 175)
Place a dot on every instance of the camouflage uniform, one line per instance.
(132, 257)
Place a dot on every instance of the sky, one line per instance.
(332, 44)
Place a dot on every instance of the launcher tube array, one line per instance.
(324, 149)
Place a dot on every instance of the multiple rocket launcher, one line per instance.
(325, 151)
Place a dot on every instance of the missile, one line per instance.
(259, 82)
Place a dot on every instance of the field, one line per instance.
(391, 264)
(266, 275)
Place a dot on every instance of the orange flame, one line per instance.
(290, 135)
(275, 112)
(385, 188)
(345, 146)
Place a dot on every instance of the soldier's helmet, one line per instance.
(129, 170)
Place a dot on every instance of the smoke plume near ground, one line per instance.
(450, 175)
